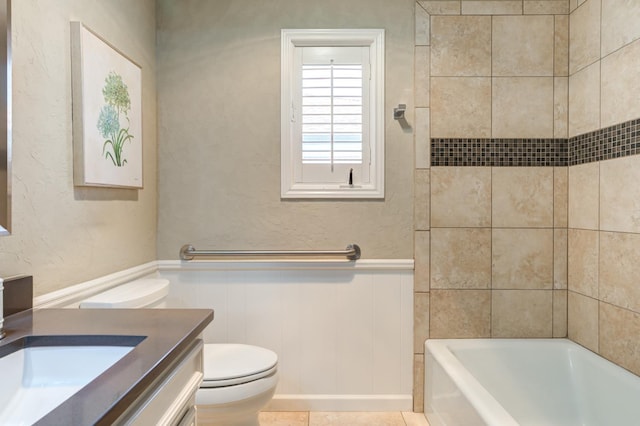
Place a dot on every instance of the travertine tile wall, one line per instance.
(604, 196)
(497, 252)
(497, 247)
(490, 242)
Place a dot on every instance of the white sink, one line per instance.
(35, 380)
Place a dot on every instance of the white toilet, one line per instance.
(239, 380)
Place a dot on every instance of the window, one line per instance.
(332, 114)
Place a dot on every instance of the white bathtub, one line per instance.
(503, 382)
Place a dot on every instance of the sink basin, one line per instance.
(37, 378)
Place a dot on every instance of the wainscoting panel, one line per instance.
(343, 335)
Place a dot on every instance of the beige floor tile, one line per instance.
(284, 418)
(203, 417)
(414, 419)
(356, 419)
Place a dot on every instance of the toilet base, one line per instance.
(224, 407)
(226, 415)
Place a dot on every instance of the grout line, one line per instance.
(491, 78)
(553, 244)
(600, 71)
(599, 221)
(491, 253)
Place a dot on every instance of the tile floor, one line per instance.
(317, 418)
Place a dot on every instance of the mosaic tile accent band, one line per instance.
(498, 152)
(616, 141)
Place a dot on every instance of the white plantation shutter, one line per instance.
(332, 123)
(332, 113)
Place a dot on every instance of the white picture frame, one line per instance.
(107, 113)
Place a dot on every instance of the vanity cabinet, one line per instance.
(153, 384)
(170, 399)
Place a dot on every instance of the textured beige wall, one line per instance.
(64, 235)
(219, 130)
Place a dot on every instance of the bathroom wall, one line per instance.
(219, 130)
(64, 235)
(604, 195)
(491, 178)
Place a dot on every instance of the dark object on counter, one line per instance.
(18, 294)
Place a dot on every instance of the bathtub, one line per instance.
(504, 382)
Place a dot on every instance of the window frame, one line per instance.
(373, 39)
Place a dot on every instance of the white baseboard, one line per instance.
(284, 402)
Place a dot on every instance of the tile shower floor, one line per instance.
(318, 418)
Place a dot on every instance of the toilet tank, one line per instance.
(142, 293)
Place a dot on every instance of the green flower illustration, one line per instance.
(116, 96)
(108, 122)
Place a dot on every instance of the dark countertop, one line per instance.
(166, 332)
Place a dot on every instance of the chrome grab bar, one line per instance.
(188, 252)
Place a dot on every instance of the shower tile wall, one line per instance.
(490, 241)
(528, 251)
(604, 176)
(494, 270)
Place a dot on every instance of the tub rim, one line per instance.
(487, 407)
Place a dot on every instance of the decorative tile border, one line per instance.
(620, 140)
(616, 141)
(498, 152)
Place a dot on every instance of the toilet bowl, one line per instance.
(239, 380)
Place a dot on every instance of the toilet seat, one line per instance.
(238, 380)
(234, 364)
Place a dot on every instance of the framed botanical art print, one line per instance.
(107, 113)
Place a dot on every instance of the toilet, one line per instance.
(239, 380)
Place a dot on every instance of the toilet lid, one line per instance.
(227, 364)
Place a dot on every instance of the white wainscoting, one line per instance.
(343, 332)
